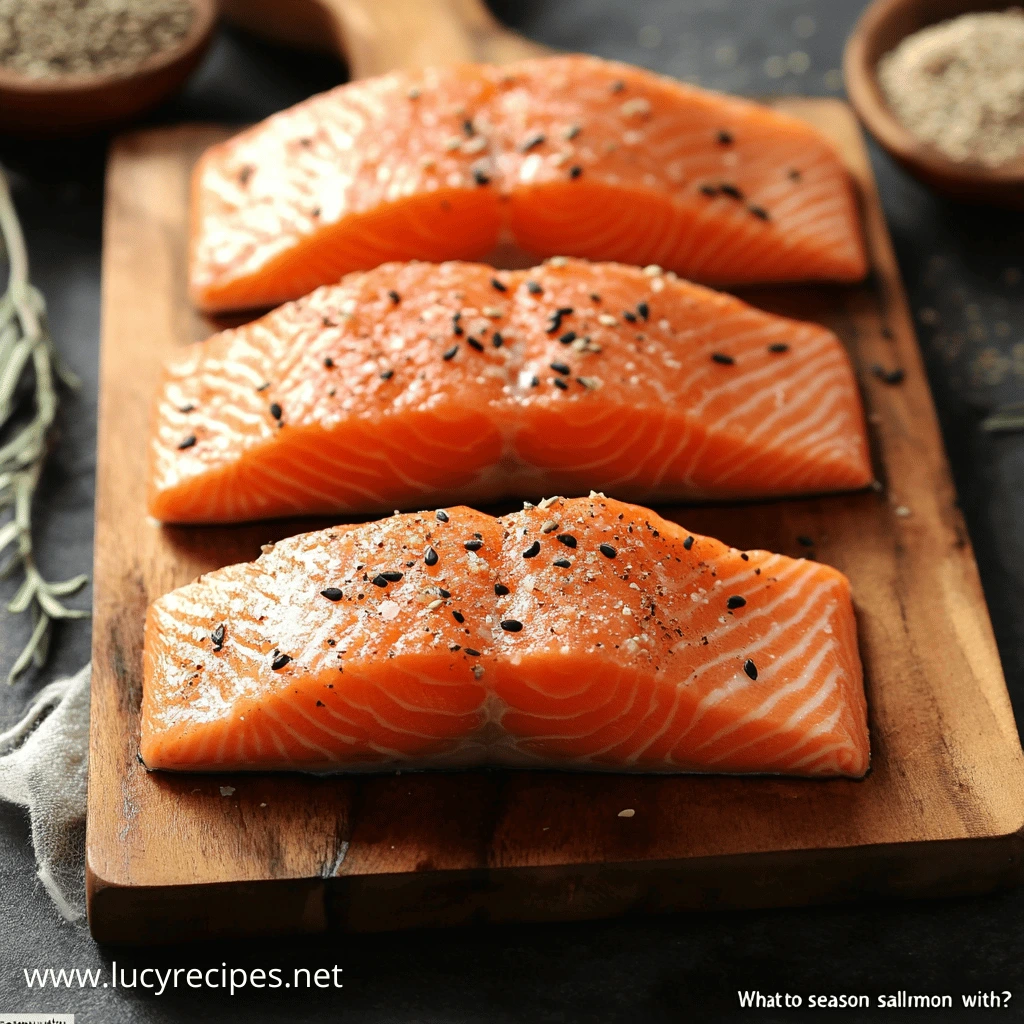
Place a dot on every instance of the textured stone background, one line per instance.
(962, 268)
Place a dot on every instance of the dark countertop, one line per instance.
(960, 266)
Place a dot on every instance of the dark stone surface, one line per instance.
(957, 263)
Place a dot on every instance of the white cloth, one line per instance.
(43, 764)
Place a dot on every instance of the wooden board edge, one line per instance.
(360, 904)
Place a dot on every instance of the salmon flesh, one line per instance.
(580, 634)
(568, 155)
(421, 384)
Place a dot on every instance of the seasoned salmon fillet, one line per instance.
(419, 384)
(569, 155)
(583, 633)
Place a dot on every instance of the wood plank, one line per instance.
(942, 810)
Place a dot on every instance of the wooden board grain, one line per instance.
(942, 810)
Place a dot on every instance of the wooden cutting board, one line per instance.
(173, 856)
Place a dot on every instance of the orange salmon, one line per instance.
(418, 384)
(569, 155)
(583, 633)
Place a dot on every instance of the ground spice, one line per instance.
(51, 38)
(959, 85)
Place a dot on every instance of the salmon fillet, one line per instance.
(569, 155)
(582, 633)
(418, 384)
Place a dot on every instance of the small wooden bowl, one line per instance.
(79, 104)
(882, 26)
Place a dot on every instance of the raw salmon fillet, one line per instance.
(582, 633)
(421, 384)
(569, 155)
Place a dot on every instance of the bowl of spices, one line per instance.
(70, 67)
(940, 84)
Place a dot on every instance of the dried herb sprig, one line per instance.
(26, 350)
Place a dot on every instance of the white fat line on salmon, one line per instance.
(805, 678)
(827, 689)
(739, 680)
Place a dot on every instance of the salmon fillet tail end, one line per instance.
(585, 634)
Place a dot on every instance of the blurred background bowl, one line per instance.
(882, 26)
(80, 104)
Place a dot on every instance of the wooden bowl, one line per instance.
(882, 26)
(79, 104)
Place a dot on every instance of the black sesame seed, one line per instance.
(280, 661)
(458, 617)
(889, 376)
(627, 315)
(562, 563)
(778, 346)
(467, 125)
(472, 653)
(441, 516)
(534, 382)
(735, 602)
(568, 338)
(559, 383)
(530, 141)
(575, 171)
(567, 539)
(709, 190)
(555, 319)
(760, 212)
(189, 407)
(617, 86)
(328, 362)
(724, 138)
(721, 357)
(728, 189)
(473, 343)
(450, 354)
(392, 576)
(750, 668)
(511, 625)
(688, 543)
(533, 550)
(497, 285)
(480, 176)
(560, 368)
(441, 592)
(607, 550)
(245, 174)
(332, 594)
(264, 386)
(315, 212)
(187, 442)
(473, 545)
(386, 374)
(430, 556)
(500, 589)
(217, 636)
(497, 340)
(643, 309)
(275, 410)
(534, 288)
(380, 580)
(804, 540)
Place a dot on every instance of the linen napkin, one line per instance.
(43, 762)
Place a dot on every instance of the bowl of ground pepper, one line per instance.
(70, 67)
(940, 85)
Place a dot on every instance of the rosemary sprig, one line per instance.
(26, 347)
